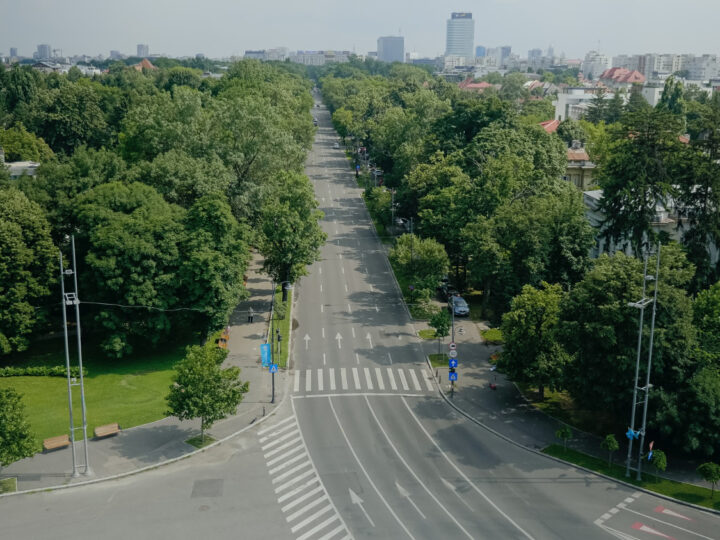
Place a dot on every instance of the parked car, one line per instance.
(447, 291)
(459, 306)
(336, 145)
(315, 122)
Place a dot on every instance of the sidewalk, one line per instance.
(506, 411)
(155, 443)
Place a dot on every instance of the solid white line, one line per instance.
(331, 373)
(311, 518)
(667, 523)
(320, 380)
(403, 380)
(297, 490)
(390, 358)
(300, 499)
(279, 440)
(293, 481)
(343, 378)
(280, 448)
(362, 467)
(357, 394)
(305, 508)
(357, 358)
(280, 423)
(368, 379)
(317, 528)
(290, 472)
(356, 378)
(464, 476)
(286, 464)
(378, 374)
(415, 381)
(308, 380)
(391, 376)
(428, 381)
(281, 457)
(276, 433)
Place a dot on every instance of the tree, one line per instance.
(710, 472)
(420, 261)
(203, 389)
(659, 460)
(564, 433)
(597, 111)
(610, 444)
(531, 353)
(28, 263)
(440, 321)
(615, 108)
(570, 130)
(16, 439)
(706, 317)
(343, 121)
(21, 145)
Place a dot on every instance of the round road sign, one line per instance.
(452, 346)
(453, 354)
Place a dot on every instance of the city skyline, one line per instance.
(225, 28)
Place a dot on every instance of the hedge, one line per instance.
(40, 371)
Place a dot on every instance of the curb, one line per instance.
(560, 460)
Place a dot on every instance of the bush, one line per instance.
(40, 371)
(492, 336)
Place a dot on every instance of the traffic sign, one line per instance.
(265, 354)
(452, 346)
(452, 376)
(453, 362)
(452, 354)
(273, 368)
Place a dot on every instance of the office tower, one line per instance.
(13, 52)
(460, 35)
(116, 55)
(44, 51)
(143, 50)
(480, 51)
(391, 49)
(505, 54)
(534, 54)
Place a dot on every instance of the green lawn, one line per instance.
(428, 333)
(492, 336)
(678, 490)
(438, 360)
(283, 324)
(130, 391)
(200, 442)
(8, 485)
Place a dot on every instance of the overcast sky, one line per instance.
(221, 28)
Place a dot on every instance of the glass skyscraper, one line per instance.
(460, 35)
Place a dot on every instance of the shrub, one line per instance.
(40, 371)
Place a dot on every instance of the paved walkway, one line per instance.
(152, 444)
(506, 411)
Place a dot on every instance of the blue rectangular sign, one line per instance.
(265, 354)
(453, 362)
(273, 368)
(453, 376)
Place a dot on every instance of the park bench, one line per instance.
(52, 443)
(107, 430)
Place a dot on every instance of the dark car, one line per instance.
(447, 291)
(459, 306)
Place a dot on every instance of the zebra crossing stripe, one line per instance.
(332, 378)
(415, 381)
(317, 528)
(279, 440)
(332, 533)
(368, 379)
(277, 432)
(281, 447)
(428, 380)
(294, 481)
(378, 374)
(296, 386)
(280, 423)
(391, 376)
(312, 518)
(287, 463)
(290, 472)
(308, 380)
(313, 504)
(281, 457)
(403, 380)
(320, 379)
(297, 490)
(301, 498)
(356, 378)
(343, 378)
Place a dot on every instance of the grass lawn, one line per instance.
(283, 324)
(428, 333)
(8, 485)
(438, 360)
(492, 336)
(200, 442)
(684, 492)
(130, 391)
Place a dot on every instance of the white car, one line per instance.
(336, 145)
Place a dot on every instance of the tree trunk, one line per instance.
(541, 392)
(202, 431)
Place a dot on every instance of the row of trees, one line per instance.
(166, 180)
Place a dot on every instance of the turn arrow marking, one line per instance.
(644, 528)
(662, 510)
(355, 499)
(339, 340)
(369, 338)
(307, 340)
(406, 494)
(452, 488)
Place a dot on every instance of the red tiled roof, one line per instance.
(550, 126)
(467, 84)
(623, 75)
(144, 64)
(577, 154)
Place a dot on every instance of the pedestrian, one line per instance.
(251, 314)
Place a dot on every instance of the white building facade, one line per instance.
(460, 37)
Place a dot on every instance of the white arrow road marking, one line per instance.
(307, 340)
(369, 338)
(452, 488)
(377, 309)
(355, 498)
(644, 528)
(339, 340)
(406, 494)
(665, 523)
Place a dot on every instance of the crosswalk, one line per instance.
(362, 379)
(303, 500)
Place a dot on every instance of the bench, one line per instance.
(107, 430)
(61, 441)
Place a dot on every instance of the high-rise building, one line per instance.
(460, 37)
(534, 54)
(480, 51)
(391, 49)
(505, 54)
(143, 50)
(13, 52)
(594, 64)
(44, 51)
(116, 55)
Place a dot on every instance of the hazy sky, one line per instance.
(220, 28)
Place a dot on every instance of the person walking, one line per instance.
(251, 314)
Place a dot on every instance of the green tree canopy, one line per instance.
(421, 261)
(16, 440)
(21, 145)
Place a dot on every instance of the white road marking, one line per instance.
(369, 338)
(300, 499)
(296, 386)
(390, 358)
(305, 508)
(324, 360)
(339, 254)
(281, 448)
(297, 490)
(667, 523)
(321, 287)
(320, 270)
(368, 379)
(293, 481)
(371, 288)
(312, 517)
(280, 439)
(275, 433)
(343, 378)
(338, 337)
(292, 471)
(322, 308)
(280, 423)
(406, 494)
(318, 527)
(320, 380)
(403, 380)
(346, 289)
(357, 358)
(415, 381)
(356, 378)
(428, 380)
(349, 310)
(378, 374)
(391, 376)
(332, 533)
(323, 332)
(377, 310)
(331, 373)
(284, 456)
(342, 269)
(353, 331)
(367, 476)
(308, 380)
(463, 475)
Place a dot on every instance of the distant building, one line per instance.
(13, 52)
(391, 49)
(478, 87)
(460, 36)
(255, 55)
(505, 54)
(320, 58)
(18, 168)
(621, 78)
(44, 52)
(480, 51)
(143, 50)
(594, 64)
(573, 102)
(116, 55)
(579, 167)
(534, 54)
(145, 64)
